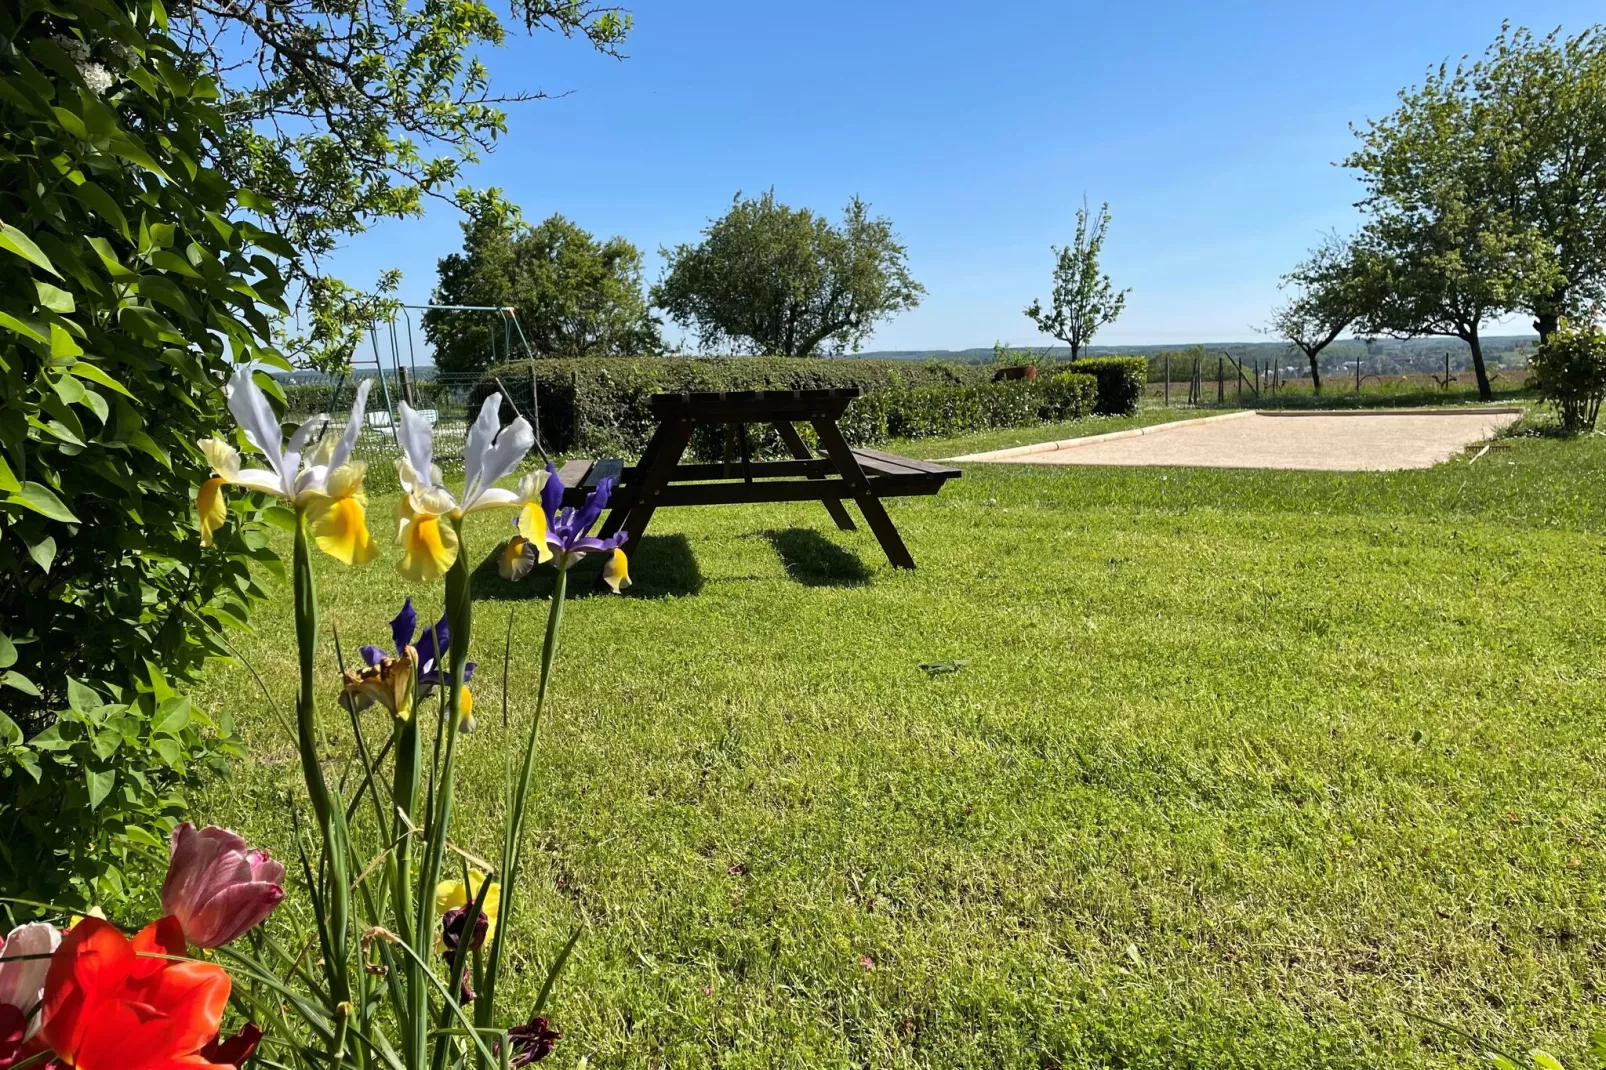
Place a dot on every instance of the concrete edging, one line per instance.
(1108, 436)
(1465, 410)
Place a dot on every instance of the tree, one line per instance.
(574, 296)
(1443, 253)
(776, 280)
(1447, 268)
(336, 115)
(1083, 299)
(1326, 299)
(1542, 104)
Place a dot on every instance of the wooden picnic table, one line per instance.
(659, 480)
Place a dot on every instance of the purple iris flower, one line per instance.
(431, 645)
(566, 527)
(547, 531)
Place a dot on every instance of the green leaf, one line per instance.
(8, 478)
(85, 370)
(108, 258)
(81, 697)
(142, 836)
(106, 743)
(100, 202)
(62, 343)
(280, 517)
(171, 750)
(171, 261)
(15, 679)
(10, 734)
(100, 783)
(42, 500)
(147, 445)
(1543, 1060)
(54, 298)
(29, 328)
(43, 553)
(8, 651)
(17, 243)
(173, 716)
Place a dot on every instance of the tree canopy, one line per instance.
(1326, 297)
(1447, 247)
(339, 115)
(1083, 299)
(575, 296)
(775, 280)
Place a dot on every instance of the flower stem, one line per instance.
(459, 623)
(515, 830)
(336, 919)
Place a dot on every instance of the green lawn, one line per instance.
(1243, 769)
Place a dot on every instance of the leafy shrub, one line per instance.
(124, 289)
(1069, 396)
(1569, 371)
(1121, 382)
(601, 404)
(101, 786)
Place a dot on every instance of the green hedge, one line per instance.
(600, 406)
(1121, 381)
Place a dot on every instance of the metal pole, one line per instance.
(1221, 380)
(1168, 380)
(384, 387)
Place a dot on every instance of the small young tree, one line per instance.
(1326, 299)
(1084, 299)
(1569, 371)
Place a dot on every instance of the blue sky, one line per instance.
(1211, 129)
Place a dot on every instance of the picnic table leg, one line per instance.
(658, 462)
(794, 442)
(841, 454)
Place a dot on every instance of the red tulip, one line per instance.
(235, 1050)
(216, 887)
(117, 1004)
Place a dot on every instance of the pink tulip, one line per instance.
(22, 980)
(215, 887)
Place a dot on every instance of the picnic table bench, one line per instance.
(659, 480)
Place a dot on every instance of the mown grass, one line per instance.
(1243, 769)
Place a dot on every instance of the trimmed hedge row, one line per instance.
(601, 406)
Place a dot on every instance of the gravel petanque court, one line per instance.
(1310, 441)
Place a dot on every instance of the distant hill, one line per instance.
(1343, 349)
(1382, 355)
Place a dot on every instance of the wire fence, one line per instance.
(446, 403)
(1221, 380)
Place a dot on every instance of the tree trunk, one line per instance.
(1547, 316)
(1315, 374)
(1485, 391)
(1546, 323)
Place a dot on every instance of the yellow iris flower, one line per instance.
(322, 479)
(616, 573)
(429, 547)
(449, 895)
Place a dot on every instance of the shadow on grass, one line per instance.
(663, 566)
(815, 561)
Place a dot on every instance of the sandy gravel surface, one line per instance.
(1341, 442)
